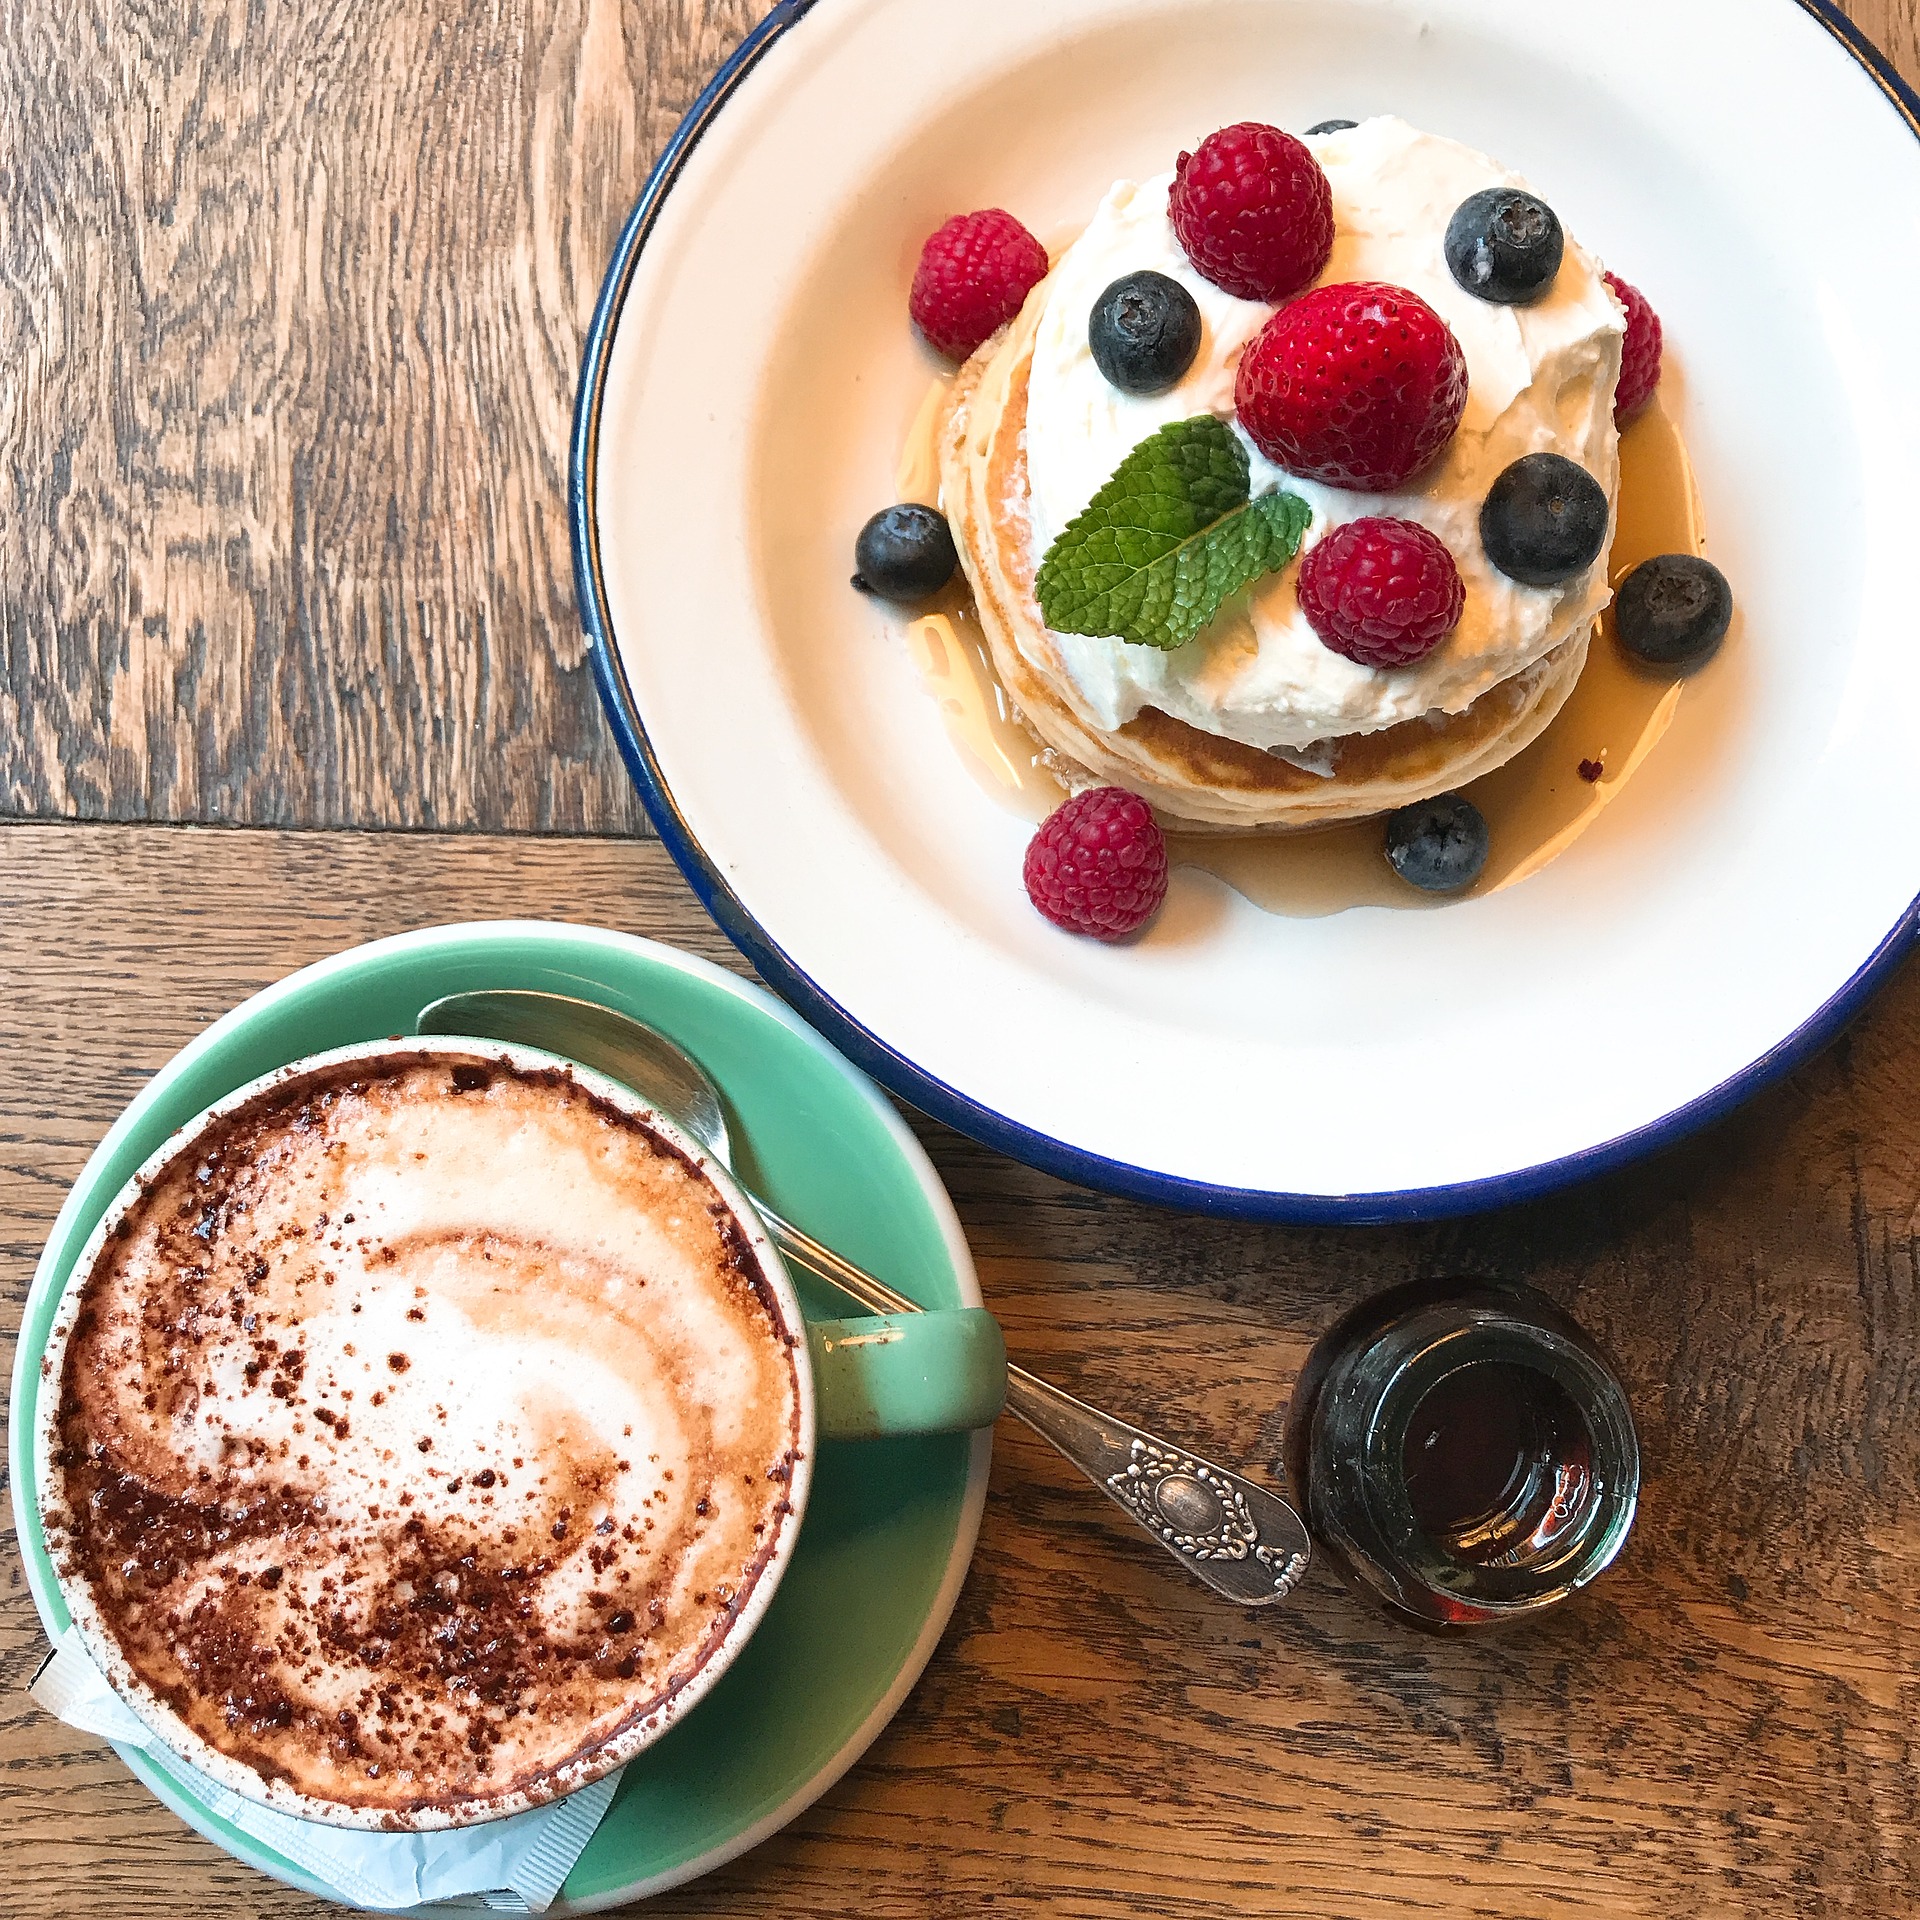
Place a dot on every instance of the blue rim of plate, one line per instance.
(893, 1069)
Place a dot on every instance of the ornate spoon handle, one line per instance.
(1242, 1540)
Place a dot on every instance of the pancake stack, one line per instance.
(1195, 779)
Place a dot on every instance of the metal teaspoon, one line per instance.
(1242, 1540)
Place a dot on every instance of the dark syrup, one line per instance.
(1496, 1460)
(1462, 1452)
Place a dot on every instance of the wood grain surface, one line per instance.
(1724, 1726)
(291, 302)
(292, 296)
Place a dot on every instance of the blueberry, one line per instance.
(1438, 845)
(1544, 520)
(1505, 246)
(904, 553)
(1332, 126)
(1673, 611)
(1143, 332)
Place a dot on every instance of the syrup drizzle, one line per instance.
(1536, 805)
(917, 480)
(955, 662)
(956, 666)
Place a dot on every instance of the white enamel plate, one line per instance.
(749, 381)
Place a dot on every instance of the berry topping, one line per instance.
(1438, 845)
(1098, 864)
(1504, 246)
(1143, 332)
(1673, 611)
(973, 275)
(1544, 520)
(1640, 355)
(904, 553)
(1358, 385)
(1253, 211)
(1172, 535)
(1382, 592)
(1332, 126)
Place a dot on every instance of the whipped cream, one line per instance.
(1541, 379)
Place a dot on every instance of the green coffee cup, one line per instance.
(939, 1371)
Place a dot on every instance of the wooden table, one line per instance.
(291, 303)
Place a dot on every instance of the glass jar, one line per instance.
(1463, 1452)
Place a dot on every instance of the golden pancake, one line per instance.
(1194, 778)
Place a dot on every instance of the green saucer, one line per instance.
(891, 1524)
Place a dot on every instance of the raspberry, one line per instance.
(1640, 355)
(1382, 592)
(1098, 864)
(973, 275)
(1358, 385)
(1253, 211)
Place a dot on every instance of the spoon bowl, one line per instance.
(631, 1052)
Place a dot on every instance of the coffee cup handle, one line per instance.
(896, 1373)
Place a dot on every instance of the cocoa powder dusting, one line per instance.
(350, 1618)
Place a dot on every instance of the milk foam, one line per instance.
(484, 1369)
(1541, 379)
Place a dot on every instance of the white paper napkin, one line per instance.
(514, 1865)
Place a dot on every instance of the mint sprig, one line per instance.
(1169, 537)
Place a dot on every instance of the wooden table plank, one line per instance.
(292, 298)
(292, 295)
(1894, 27)
(1726, 1723)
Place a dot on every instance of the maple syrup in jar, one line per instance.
(1463, 1452)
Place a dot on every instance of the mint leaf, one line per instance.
(1164, 543)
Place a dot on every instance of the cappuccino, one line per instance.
(424, 1423)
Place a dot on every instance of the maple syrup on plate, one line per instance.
(1536, 805)
(1463, 1452)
